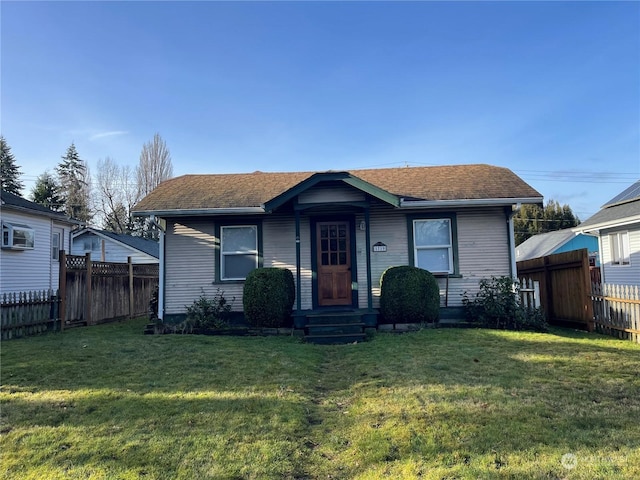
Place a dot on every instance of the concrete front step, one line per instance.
(335, 328)
(336, 339)
(332, 319)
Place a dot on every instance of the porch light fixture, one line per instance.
(363, 225)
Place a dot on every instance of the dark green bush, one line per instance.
(208, 313)
(268, 297)
(409, 295)
(497, 305)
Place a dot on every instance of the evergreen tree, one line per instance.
(73, 177)
(9, 171)
(531, 220)
(46, 192)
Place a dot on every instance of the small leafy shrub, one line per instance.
(497, 305)
(153, 304)
(208, 313)
(268, 297)
(409, 295)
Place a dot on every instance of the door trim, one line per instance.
(314, 259)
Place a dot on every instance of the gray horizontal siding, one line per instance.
(483, 251)
(28, 270)
(279, 250)
(621, 274)
(113, 251)
(189, 264)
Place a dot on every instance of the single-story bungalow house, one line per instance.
(337, 231)
(105, 246)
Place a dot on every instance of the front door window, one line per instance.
(334, 263)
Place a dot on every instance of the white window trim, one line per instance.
(224, 254)
(618, 239)
(10, 228)
(449, 246)
(55, 249)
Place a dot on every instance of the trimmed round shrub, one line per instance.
(268, 297)
(409, 295)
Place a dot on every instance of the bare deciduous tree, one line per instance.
(155, 165)
(117, 194)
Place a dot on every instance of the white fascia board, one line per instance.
(473, 202)
(37, 213)
(596, 227)
(200, 212)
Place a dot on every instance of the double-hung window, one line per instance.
(433, 245)
(238, 251)
(619, 243)
(56, 244)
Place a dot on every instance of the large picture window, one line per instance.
(433, 245)
(238, 251)
(619, 248)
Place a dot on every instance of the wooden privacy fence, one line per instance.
(565, 287)
(90, 293)
(617, 310)
(29, 313)
(97, 292)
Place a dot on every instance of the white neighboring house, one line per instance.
(617, 226)
(107, 246)
(32, 237)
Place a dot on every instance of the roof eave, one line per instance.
(608, 224)
(469, 202)
(200, 212)
(52, 215)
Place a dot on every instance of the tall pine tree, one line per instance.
(46, 192)
(74, 185)
(9, 171)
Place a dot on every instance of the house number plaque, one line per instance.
(379, 247)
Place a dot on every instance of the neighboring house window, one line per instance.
(433, 245)
(92, 244)
(56, 238)
(619, 248)
(238, 251)
(19, 237)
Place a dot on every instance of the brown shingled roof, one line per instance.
(453, 182)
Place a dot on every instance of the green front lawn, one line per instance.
(108, 402)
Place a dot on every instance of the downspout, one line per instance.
(161, 273)
(512, 242)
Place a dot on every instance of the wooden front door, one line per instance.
(334, 263)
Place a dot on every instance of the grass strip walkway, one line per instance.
(109, 403)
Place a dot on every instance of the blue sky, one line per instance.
(548, 89)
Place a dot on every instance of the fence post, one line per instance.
(131, 309)
(548, 288)
(88, 302)
(62, 289)
(588, 306)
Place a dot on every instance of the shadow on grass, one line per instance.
(457, 398)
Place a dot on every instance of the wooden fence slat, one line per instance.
(110, 296)
(28, 313)
(617, 310)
